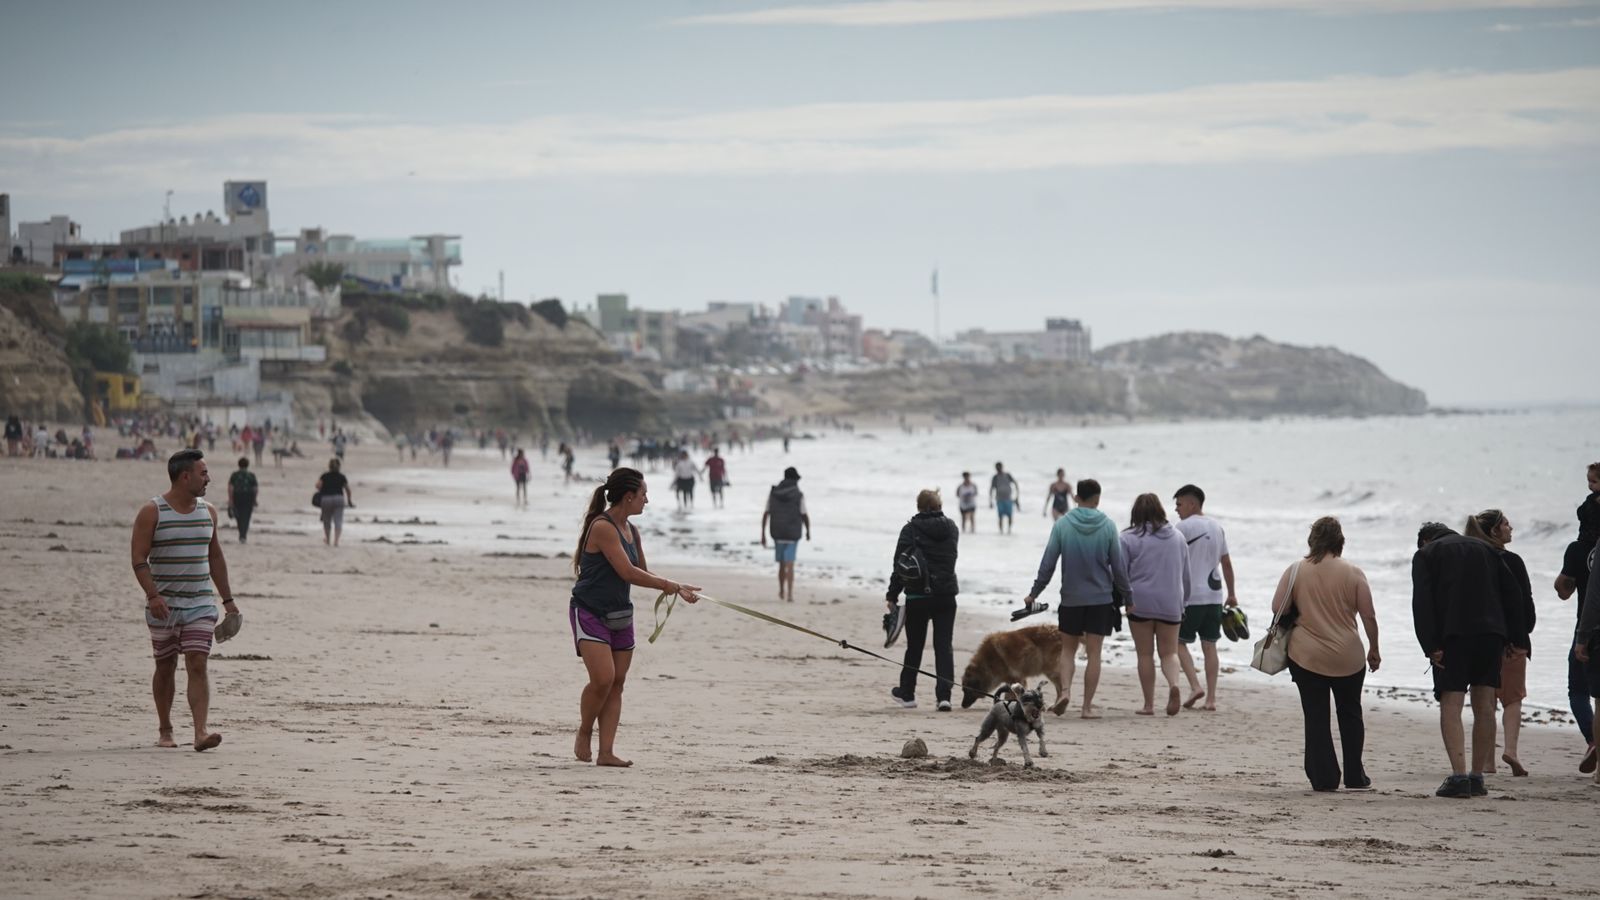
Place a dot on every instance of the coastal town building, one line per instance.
(7, 246)
(422, 262)
(1062, 340)
(36, 242)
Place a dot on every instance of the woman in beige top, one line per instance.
(1325, 655)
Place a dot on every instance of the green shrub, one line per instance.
(343, 367)
(98, 347)
(482, 322)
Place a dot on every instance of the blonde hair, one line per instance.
(929, 500)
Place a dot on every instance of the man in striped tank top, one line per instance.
(177, 559)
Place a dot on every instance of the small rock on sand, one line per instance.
(914, 749)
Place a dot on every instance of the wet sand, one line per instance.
(398, 719)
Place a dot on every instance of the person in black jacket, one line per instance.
(930, 599)
(1465, 608)
(1492, 527)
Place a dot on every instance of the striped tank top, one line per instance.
(180, 559)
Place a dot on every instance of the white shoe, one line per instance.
(903, 702)
(944, 706)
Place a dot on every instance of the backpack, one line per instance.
(911, 567)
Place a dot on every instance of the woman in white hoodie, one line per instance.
(1158, 577)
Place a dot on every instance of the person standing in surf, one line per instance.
(609, 558)
(1058, 500)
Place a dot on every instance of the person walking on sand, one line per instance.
(176, 560)
(1577, 565)
(333, 496)
(258, 443)
(1093, 576)
(967, 502)
(1058, 499)
(242, 487)
(1158, 585)
(1464, 604)
(1003, 496)
(932, 538)
(1326, 595)
(13, 436)
(1493, 528)
(609, 557)
(786, 515)
(519, 476)
(1210, 568)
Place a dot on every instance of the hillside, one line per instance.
(36, 380)
(1199, 375)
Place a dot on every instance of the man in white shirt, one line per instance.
(1202, 615)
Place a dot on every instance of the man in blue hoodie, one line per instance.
(1094, 579)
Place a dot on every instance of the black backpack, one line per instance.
(912, 567)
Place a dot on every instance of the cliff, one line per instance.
(1204, 374)
(36, 380)
(416, 362)
(1190, 374)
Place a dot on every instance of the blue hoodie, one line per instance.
(1085, 541)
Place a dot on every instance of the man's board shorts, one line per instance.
(182, 631)
(716, 485)
(684, 485)
(1004, 508)
(1080, 620)
(1203, 619)
(1471, 660)
(785, 550)
(586, 626)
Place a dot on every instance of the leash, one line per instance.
(671, 600)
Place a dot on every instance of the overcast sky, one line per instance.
(1415, 181)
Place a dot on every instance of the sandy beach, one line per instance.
(398, 721)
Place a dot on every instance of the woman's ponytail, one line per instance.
(621, 482)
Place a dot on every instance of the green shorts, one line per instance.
(1204, 619)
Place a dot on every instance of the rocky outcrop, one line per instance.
(418, 364)
(36, 380)
(1199, 375)
(1204, 374)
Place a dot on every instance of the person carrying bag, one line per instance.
(1272, 651)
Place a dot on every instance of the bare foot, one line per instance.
(1173, 696)
(1209, 707)
(165, 739)
(1517, 771)
(1089, 713)
(1147, 711)
(580, 747)
(207, 742)
(609, 759)
(1194, 698)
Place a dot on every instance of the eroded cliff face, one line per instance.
(540, 377)
(36, 380)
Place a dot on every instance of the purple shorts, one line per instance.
(586, 626)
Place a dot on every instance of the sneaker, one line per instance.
(944, 706)
(1478, 790)
(1456, 786)
(894, 622)
(905, 702)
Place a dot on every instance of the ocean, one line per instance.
(1265, 482)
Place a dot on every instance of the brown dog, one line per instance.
(1005, 657)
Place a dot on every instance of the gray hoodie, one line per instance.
(1158, 572)
(1092, 566)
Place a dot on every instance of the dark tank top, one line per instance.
(599, 589)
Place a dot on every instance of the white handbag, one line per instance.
(1272, 651)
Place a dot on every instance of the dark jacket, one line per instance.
(1460, 586)
(938, 537)
(783, 507)
(1525, 609)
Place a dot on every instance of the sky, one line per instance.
(1413, 181)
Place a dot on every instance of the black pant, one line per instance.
(941, 611)
(1322, 766)
(241, 516)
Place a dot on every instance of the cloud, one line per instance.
(1508, 27)
(927, 12)
(1210, 125)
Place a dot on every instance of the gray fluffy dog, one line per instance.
(1017, 712)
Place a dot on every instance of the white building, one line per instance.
(1063, 340)
(38, 240)
(422, 262)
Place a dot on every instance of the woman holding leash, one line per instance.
(1328, 596)
(609, 558)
